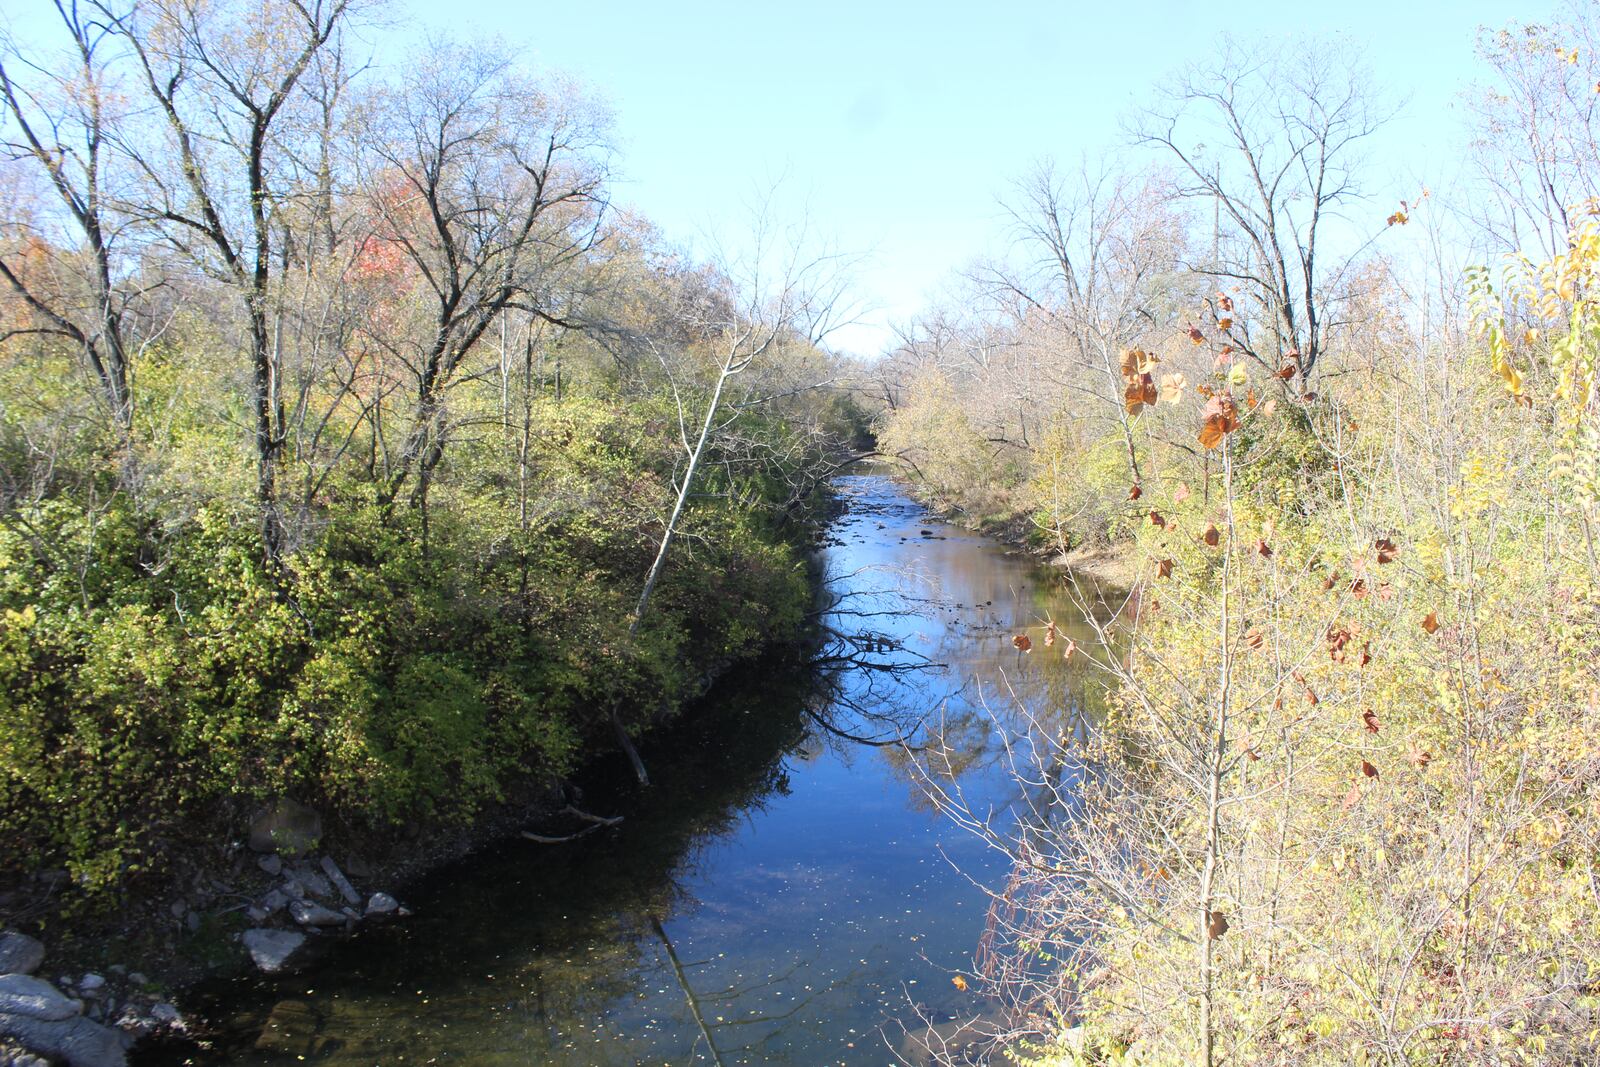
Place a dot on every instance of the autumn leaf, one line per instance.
(1399, 218)
(1135, 492)
(1287, 371)
(1068, 649)
(1370, 720)
(1157, 520)
(1263, 550)
(1050, 634)
(1431, 623)
(1224, 323)
(1386, 550)
(1352, 798)
(1136, 361)
(1254, 637)
(1220, 417)
(959, 982)
(1419, 758)
(1172, 387)
(1023, 643)
(1182, 493)
(1225, 303)
(1196, 336)
(1216, 924)
(1368, 769)
(1212, 536)
(1164, 568)
(1140, 393)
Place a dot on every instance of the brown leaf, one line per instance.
(1368, 769)
(1419, 758)
(1254, 637)
(1196, 336)
(1163, 568)
(1182, 493)
(1225, 303)
(1212, 536)
(1140, 393)
(1270, 406)
(1358, 589)
(1370, 720)
(1050, 634)
(1352, 798)
(1023, 643)
(1287, 371)
(1135, 492)
(1224, 323)
(1216, 924)
(1431, 623)
(1263, 549)
(1067, 650)
(1386, 550)
(1330, 581)
(1157, 520)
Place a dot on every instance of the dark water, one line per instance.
(780, 895)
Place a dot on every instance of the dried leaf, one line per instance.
(1431, 623)
(1370, 720)
(959, 982)
(1386, 550)
(1216, 924)
(1023, 643)
(1135, 492)
(1368, 769)
(1172, 387)
(1419, 758)
(1225, 302)
(1067, 650)
(1224, 323)
(1163, 568)
(1182, 493)
(1157, 521)
(1050, 634)
(1263, 550)
(1254, 637)
(1212, 536)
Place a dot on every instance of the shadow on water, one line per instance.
(780, 894)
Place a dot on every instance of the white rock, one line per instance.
(310, 913)
(382, 904)
(271, 949)
(22, 994)
(19, 953)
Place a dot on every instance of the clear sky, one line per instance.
(902, 123)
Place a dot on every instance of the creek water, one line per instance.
(779, 895)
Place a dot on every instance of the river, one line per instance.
(779, 895)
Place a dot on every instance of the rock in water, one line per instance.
(382, 904)
(19, 953)
(286, 827)
(271, 949)
(310, 913)
(24, 995)
(78, 1041)
(336, 876)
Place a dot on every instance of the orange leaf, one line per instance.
(959, 982)
(1254, 637)
(1196, 336)
(1157, 521)
(1212, 536)
(1368, 769)
(1431, 623)
(1224, 323)
(1135, 493)
(1164, 568)
(1225, 303)
(1023, 643)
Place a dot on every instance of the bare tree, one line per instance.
(58, 121)
(214, 184)
(1272, 141)
(492, 187)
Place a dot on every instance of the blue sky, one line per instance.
(900, 125)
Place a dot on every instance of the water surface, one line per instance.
(779, 895)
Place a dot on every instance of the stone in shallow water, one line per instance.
(382, 904)
(271, 949)
(78, 1041)
(309, 913)
(19, 953)
(22, 994)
